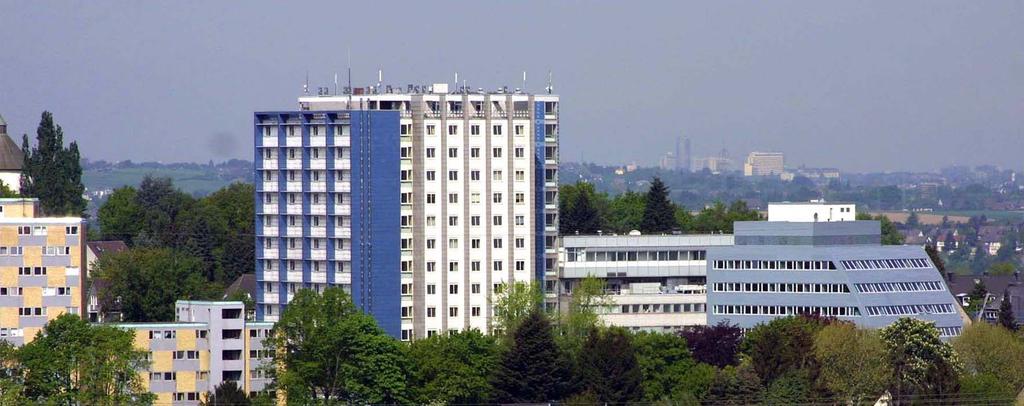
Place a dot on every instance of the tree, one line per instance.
(1006, 317)
(7, 192)
(145, 282)
(120, 218)
(51, 172)
(736, 385)
(580, 209)
(532, 369)
(922, 364)
(989, 350)
(780, 346)
(912, 220)
(232, 211)
(936, 258)
(161, 204)
(73, 362)
(453, 368)
(977, 297)
(890, 234)
(667, 367)
(853, 362)
(659, 212)
(514, 304)
(608, 367)
(626, 211)
(587, 297)
(227, 394)
(330, 352)
(715, 345)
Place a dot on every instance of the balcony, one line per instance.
(319, 255)
(318, 209)
(342, 163)
(293, 231)
(343, 232)
(269, 208)
(342, 209)
(293, 141)
(405, 113)
(270, 231)
(293, 164)
(499, 114)
(269, 141)
(270, 253)
(431, 114)
(317, 164)
(269, 164)
(269, 186)
(342, 255)
(317, 141)
(318, 232)
(294, 209)
(318, 186)
(455, 114)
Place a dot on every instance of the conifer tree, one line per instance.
(659, 212)
(52, 173)
(609, 368)
(532, 369)
(1006, 316)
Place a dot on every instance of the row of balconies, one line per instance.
(314, 141)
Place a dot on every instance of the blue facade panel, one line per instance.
(538, 197)
(375, 216)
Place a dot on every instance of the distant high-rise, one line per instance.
(764, 164)
(683, 157)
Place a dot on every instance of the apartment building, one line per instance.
(653, 282)
(764, 164)
(209, 343)
(420, 201)
(839, 269)
(41, 261)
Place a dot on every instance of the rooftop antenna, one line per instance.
(524, 80)
(349, 53)
(305, 86)
(550, 87)
(380, 77)
(335, 83)
(456, 79)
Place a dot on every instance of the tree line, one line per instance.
(332, 352)
(201, 244)
(584, 210)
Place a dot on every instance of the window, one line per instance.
(431, 198)
(405, 129)
(496, 152)
(496, 220)
(71, 230)
(431, 152)
(431, 243)
(453, 221)
(474, 220)
(520, 265)
(453, 129)
(431, 266)
(453, 289)
(496, 175)
(474, 311)
(474, 175)
(431, 129)
(520, 175)
(431, 312)
(497, 265)
(431, 289)
(453, 152)
(453, 311)
(520, 152)
(453, 175)
(474, 152)
(474, 266)
(474, 288)
(453, 266)
(453, 243)
(453, 198)
(520, 220)
(496, 198)
(496, 130)
(520, 242)
(520, 198)
(474, 243)
(474, 130)
(519, 129)
(431, 221)
(497, 243)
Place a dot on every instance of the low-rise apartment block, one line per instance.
(209, 343)
(40, 268)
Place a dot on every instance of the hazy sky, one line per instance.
(908, 85)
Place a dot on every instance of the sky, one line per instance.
(861, 86)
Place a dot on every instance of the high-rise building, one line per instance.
(764, 164)
(421, 201)
(41, 260)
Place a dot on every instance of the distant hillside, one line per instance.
(100, 177)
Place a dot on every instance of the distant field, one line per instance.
(194, 182)
(935, 217)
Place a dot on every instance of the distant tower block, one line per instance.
(687, 156)
(11, 159)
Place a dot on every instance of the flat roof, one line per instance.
(150, 325)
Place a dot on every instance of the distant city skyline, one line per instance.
(864, 86)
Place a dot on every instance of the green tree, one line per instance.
(936, 258)
(232, 210)
(713, 219)
(453, 368)
(989, 350)
(781, 345)
(139, 282)
(330, 352)
(51, 172)
(890, 234)
(227, 394)
(659, 212)
(73, 362)
(853, 362)
(608, 366)
(668, 368)
(588, 296)
(977, 297)
(922, 364)
(161, 204)
(514, 304)
(120, 218)
(532, 369)
(7, 192)
(735, 385)
(1006, 317)
(580, 208)
(912, 220)
(626, 212)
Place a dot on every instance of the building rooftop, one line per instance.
(101, 248)
(11, 156)
(653, 240)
